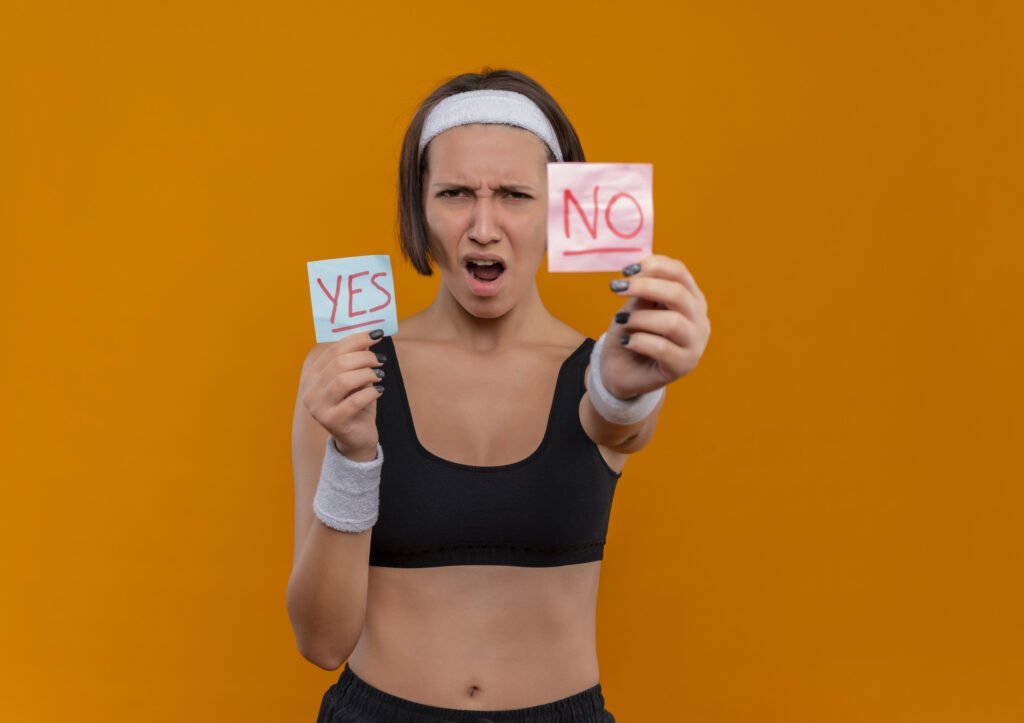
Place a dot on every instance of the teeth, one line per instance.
(480, 262)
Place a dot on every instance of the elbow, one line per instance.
(312, 642)
(324, 659)
(633, 443)
(321, 652)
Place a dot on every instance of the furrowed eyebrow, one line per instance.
(513, 187)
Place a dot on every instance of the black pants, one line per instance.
(353, 700)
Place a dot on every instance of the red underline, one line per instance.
(605, 250)
(356, 326)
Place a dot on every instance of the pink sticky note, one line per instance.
(600, 215)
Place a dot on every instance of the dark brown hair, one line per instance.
(412, 227)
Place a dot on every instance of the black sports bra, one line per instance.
(548, 509)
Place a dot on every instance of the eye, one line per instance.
(452, 192)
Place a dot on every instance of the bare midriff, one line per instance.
(480, 637)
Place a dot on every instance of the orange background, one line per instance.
(826, 525)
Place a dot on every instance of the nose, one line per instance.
(484, 227)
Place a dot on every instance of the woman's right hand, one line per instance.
(339, 393)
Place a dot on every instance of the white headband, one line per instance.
(490, 106)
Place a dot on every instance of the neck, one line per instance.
(448, 319)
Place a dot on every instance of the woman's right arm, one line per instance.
(326, 596)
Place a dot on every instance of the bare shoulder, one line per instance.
(566, 338)
(413, 327)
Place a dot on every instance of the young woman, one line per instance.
(449, 531)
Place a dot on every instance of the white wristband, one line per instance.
(348, 495)
(615, 410)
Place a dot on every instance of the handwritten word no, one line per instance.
(592, 225)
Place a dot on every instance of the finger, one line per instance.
(670, 356)
(319, 397)
(667, 323)
(666, 267)
(341, 363)
(352, 342)
(350, 360)
(352, 404)
(347, 383)
(667, 292)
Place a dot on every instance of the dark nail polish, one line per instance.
(624, 339)
(381, 356)
(622, 317)
(379, 387)
(619, 285)
(376, 333)
(379, 373)
(631, 269)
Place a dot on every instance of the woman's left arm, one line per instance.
(666, 328)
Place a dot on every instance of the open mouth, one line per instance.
(485, 271)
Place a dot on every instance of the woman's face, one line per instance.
(485, 193)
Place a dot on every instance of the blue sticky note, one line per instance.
(352, 294)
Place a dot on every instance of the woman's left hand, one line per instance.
(667, 329)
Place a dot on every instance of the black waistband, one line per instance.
(352, 693)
